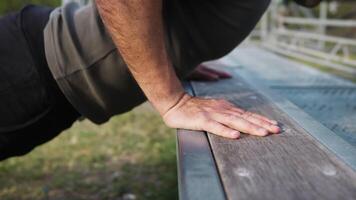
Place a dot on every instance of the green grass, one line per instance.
(133, 153)
(7, 6)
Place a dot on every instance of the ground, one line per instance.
(131, 154)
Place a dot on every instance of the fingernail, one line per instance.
(275, 129)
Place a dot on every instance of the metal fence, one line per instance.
(306, 37)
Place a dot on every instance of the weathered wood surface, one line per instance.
(197, 174)
(327, 115)
(329, 99)
(291, 165)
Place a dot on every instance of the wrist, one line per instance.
(178, 102)
(166, 103)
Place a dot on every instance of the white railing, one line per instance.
(318, 22)
(310, 41)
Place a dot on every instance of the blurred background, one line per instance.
(133, 155)
(324, 37)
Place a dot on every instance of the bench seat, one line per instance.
(290, 165)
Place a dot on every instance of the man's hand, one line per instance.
(203, 73)
(218, 117)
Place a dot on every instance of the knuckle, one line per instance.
(214, 100)
(228, 118)
(240, 110)
(231, 118)
(227, 103)
(221, 101)
(248, 114)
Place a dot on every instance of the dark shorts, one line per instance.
(32, 108)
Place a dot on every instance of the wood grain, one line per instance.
(197, 174)
(291, 165)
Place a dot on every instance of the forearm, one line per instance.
(136, 28)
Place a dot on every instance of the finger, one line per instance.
(221, 74)
(202, 75)
(255, 118)
(230, 106)
(257, 121)
(240, 124)
(251, 117)
(221, 130)
(274, 122)
(209, 75)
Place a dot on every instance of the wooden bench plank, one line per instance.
(292, 165)
(198, 177)
(197, 174)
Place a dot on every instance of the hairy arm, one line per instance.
(136, 28)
